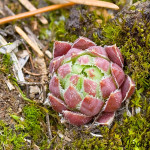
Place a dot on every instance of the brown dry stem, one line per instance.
(27, 39)
(28, 5)
(34, 12)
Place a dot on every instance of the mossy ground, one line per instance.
(126, 132)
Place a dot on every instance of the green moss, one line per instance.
(10, 139)
(5, 63)
(32, 127)
(32, 119)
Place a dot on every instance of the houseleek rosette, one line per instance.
(88, 80)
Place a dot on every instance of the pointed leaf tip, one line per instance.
(54, 86)
(114, 101)
(72, 97)
(127, 88)
(107, 86)
(106, 118)
(115, 55)
(61, 48)
(98, 51)
(91, 106)
(55, 63)
(118, 74)
(57, 104)
(83, 43)
(76, 118)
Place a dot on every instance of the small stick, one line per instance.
(32, 65)
(47, 116)
(29, 32)
(31, 73)
(48, 126)
(28, 5)
(34, 12)
(30, 83)
(26, 38)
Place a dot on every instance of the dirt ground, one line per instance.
(10, 101)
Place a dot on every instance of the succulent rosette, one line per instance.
(88, 80)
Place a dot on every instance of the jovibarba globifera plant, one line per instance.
(88, 80)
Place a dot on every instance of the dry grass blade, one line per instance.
(28, 5)
(16, 65)
(27, 39)
(34, 12)
(58, 1)
(96, 3)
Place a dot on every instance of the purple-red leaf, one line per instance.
(57, 104)
(98, 51)
(61, 48)
(72, 97)
(54, 86)
(74, 79)
(102, 63)
(76, 118)
(106, 118)
(107, 86)
(83, 60)
(118, 74)
(73, 52)
(64, 70)
(83, 43)
(127, 88)
(55, 63)
(115, 55)
(114, 101)
(90, 87)
(91, 106)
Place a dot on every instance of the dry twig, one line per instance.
(31, 73)
(28, 5)
(32, 66)
(48, 126)
(30, 83)
(33, 36)
(27, 39)
(34, 12)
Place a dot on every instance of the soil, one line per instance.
(10, 101)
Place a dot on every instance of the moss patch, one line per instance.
(5, 63)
